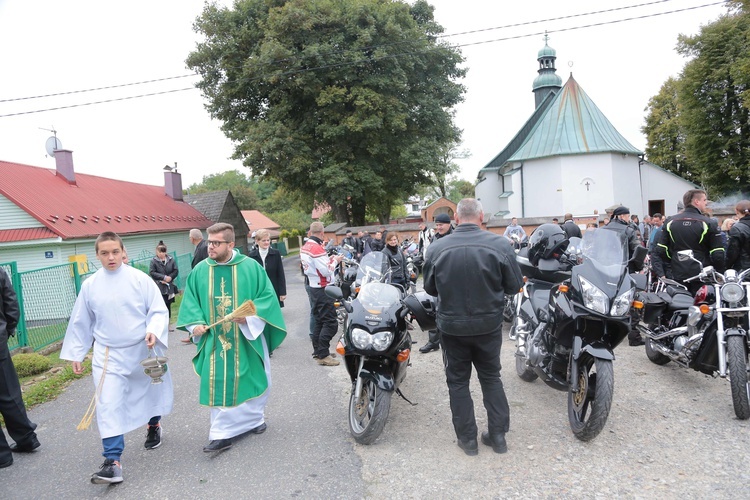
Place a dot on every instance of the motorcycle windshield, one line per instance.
(378, 297)
(373, 267)
(606, 250)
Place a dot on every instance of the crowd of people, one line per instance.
(125, 315)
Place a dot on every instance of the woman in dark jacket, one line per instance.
(270, 259)
(163, 270)
(738, 246)
(396, 259)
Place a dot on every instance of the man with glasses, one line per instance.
(233, 359)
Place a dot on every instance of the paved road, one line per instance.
(671, 434)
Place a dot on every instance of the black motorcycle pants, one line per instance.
(482, 351)
(326, 324)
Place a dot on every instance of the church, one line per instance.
(569, 158)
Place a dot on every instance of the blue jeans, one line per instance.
(113, 446)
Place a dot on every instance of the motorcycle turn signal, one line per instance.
(403, 355)
(340, 348)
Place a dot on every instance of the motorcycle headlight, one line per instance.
(381, 340)
(363, 339)
(621, 306)
(593, 298)
(732, 292)
(360, 338)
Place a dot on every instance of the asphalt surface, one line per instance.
(671, 433)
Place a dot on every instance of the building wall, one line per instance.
(14, 217)
(542, 187)
(658, 184)
(46, 253)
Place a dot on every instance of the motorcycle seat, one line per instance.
(678, 301)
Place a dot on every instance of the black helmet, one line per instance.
(423, 307)
(548, 241)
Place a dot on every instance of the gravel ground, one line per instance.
(671, 433)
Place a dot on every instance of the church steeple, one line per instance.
(547, 80)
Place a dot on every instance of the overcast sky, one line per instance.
(55, 46)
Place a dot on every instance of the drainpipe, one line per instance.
(523, 187)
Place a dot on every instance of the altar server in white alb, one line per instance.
(121, 312)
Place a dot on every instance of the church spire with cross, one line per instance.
(547, 80)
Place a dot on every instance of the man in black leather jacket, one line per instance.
(620, 223)
(443, 228)
(470, 272)
(690, 230)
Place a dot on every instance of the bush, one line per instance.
(284, 234)
(29, 364)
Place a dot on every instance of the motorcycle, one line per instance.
(376, 344)
(573, 311)
(706, 333)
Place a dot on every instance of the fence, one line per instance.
(46, 297)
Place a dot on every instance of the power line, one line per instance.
(329, 53)
(372, 59)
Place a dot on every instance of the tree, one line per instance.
(459, 189)
(665, 136)
(235, 181)
(344, 101)
(713, 95)
(442, 177)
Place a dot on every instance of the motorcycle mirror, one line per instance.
(334, 292)
(685, 255)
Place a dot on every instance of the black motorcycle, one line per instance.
(574, 310)
(376, 344)
(706, 333)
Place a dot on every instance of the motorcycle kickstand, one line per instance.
(398, 391)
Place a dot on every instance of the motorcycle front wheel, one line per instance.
(588, 407)
(737, 364)
(368, 413)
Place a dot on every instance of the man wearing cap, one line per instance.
(689, 230)
(620, 222)
(443, 228)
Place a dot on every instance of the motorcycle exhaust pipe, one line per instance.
(648, 333)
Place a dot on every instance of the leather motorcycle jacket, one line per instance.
(689, 230)
(738, 248)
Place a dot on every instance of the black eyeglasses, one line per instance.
(216, 243)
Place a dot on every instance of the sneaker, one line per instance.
(153, 437)
(110, 472)
(328, 361)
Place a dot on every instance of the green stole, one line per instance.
(230, 366)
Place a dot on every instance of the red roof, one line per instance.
(256, 220)
(33, 233)
(94, 204)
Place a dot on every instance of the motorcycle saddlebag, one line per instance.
(653, 307)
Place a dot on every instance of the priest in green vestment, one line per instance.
(233, 357)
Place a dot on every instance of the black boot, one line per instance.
(433, 342)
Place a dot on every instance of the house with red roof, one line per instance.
(48, 216)
(256, 220)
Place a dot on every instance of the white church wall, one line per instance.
(542, 187)
(658, 184)
(487, 192)
(587, 183)
(626, 183)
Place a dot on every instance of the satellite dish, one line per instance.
(52, 145)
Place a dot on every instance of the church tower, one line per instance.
(547, 81)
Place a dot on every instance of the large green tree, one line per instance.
(343, 101)
(665, 136)
(713, 93)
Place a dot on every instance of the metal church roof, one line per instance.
(572, 124)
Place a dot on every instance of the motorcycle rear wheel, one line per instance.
(654, 356)
(737, 364)
(367, 415)
(588, 407)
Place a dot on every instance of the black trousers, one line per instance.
(482, 351)
(12, 408)
(326, 324)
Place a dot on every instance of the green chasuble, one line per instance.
(230, 366)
